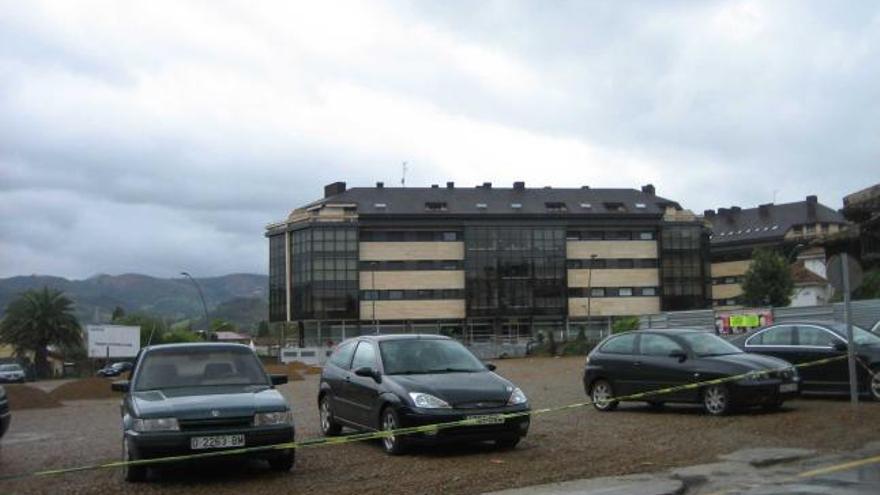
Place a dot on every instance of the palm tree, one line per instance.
(39, 318)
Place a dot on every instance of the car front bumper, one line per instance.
(511, 427)
(763, 392)
(11, 378)
(175, 443)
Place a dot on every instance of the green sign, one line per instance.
(745, 321)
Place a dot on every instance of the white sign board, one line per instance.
(115, 341)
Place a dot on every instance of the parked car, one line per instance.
(801, 342)
(11, 373)
(115, 369)
(5, 414)
(395, 381)
(647, 360)
(197, 397)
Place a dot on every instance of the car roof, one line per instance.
(674, 331)
(402, 336)
(196, 345)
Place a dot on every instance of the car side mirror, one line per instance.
(680, 355)
(840, 346)
(491, 367)
(278, 379)
(366, 371)
(120, 386)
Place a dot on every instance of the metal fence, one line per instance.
(864, 314)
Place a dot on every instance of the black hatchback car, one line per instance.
(647, 360)
(386, 382)
(805, 341)
(192, 398)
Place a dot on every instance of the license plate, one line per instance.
(487, 420)
(788, 387)
(216, 442)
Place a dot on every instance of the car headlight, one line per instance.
(273, 418)
(517, 397)
(428, 401)
(156, 424)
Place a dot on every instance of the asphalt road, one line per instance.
(561, 446)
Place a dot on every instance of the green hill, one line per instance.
(240, 298)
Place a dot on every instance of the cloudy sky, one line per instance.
(156, 137)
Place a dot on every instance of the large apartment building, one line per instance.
(737, 232)
(483, 260)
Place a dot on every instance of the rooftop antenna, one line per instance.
(403, 176)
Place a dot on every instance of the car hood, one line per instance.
(750, 362)
(459, 388)
(192, 403)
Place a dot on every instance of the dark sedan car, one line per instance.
(191, 398)
(801, 342)
(386, 382)
(648, 360)
(115, 369)
(5, 415)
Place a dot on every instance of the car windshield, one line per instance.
(10, 367)
(860, 335)
(199, 367)
(706, 345)
(419, 356)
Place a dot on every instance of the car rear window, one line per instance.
(624, 344)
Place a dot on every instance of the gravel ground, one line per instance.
(560, 446)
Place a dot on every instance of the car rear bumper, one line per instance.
(176, 443)
(511, 427)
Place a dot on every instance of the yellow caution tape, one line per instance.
(374, 435)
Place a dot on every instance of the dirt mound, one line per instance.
(85, 389)
(26, 397)
(291, 371)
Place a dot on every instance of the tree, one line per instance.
(768, 280)
(263, 329)
(37, 319)
(870, 288)
(118, 313)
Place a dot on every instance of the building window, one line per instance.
(433, 206)
(810, 229)
(597, 292)
(615, 207)
(625, 291)
(324, 266)
(646, 236)
(409, 236)
(277, 279)
(649, 291)
(555, 206)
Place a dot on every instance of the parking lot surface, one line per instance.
(561, 446)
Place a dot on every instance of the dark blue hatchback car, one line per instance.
(192, 398)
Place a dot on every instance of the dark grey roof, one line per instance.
(767, 222)
(497, 201)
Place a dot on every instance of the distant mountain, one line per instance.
(240, 297)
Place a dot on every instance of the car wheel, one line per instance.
(283, 462)
(601, 394)
(392, 444)
(329, 427)
(132, 474)
(507, 443)
(875, 384)
(716, 400)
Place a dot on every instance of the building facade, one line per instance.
(482, 261)
(788, 228)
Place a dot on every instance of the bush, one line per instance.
(624, 324)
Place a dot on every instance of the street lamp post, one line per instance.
(202, 297)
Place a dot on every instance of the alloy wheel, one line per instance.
(875, 384)
(325, 415)
(715, 399)
(602, 396)
(389, 423)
